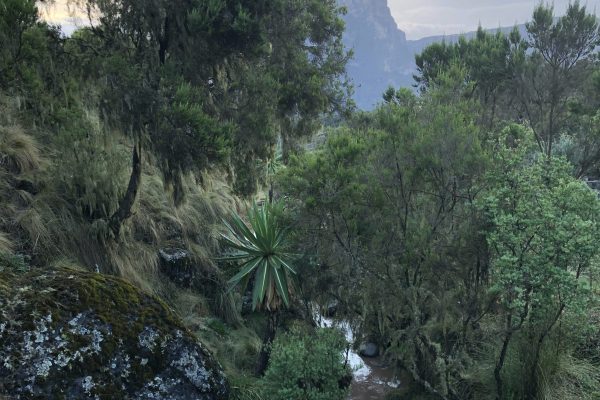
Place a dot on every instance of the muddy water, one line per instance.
(375, 384)
(372, 378)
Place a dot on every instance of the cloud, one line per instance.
(420, 18)
(61, 13)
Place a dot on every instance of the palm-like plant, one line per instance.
(261, 246)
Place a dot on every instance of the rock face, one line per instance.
(183, 269)
(381, 54)
(67, 334)
(177, 264)
(369, 350)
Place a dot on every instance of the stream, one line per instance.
(372, 378)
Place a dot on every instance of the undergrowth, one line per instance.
(59, 188)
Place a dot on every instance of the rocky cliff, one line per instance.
(381, 54)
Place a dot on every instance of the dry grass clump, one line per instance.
(20, 161)
(74, 183)
(19, 152)
(6, 245)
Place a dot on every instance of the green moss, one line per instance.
(119, 312)
(63, 292)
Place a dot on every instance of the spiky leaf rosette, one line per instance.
(261, 247)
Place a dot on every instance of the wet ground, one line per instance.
(373, 380)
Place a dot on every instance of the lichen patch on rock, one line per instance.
(75, 335)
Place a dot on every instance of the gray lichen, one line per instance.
(76, 335)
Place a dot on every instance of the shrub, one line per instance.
(13, 262)
(307, 365)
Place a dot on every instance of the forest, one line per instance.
(188, 190)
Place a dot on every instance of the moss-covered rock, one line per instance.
(67, 334)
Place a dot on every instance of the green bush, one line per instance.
(307, 365)
(13, 262)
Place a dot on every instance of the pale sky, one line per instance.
(421, 18)
(60, 13)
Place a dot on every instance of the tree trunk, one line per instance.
(126, 204)
(265, 351)
(533, 379)
(500, 364)
(532, 387)
(510, 330)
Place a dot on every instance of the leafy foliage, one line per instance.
(390, 198)
(458, 248)
(307, 366)
(542, 229)
(448, 226)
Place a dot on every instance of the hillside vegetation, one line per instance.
(208, 153)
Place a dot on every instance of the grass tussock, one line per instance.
(75, 181)
(561, 375)
(19, 152)
(237, 349)
(245, 388)
(571, 379)
(6, 244)
(20, 161)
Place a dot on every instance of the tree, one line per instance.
(489, 60)
(533, 78)
(32, 63)
(580, 141)
(290, 91)
(159, 60)
(542, 228)
(560, 62)
(262, 249)
(384, 206)
(193, 80)
(16, 17)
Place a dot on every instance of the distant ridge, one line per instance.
(419, 44)
(383, 56)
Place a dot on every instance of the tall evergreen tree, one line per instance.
(181, 78)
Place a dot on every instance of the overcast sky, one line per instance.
(60, 13)
(421, 18)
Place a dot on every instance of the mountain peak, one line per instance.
(374, 15)
(381, 53)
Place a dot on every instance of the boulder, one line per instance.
(368, 349)
(177, 264)
(330, 309)
(247, 303)
(71, 334)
